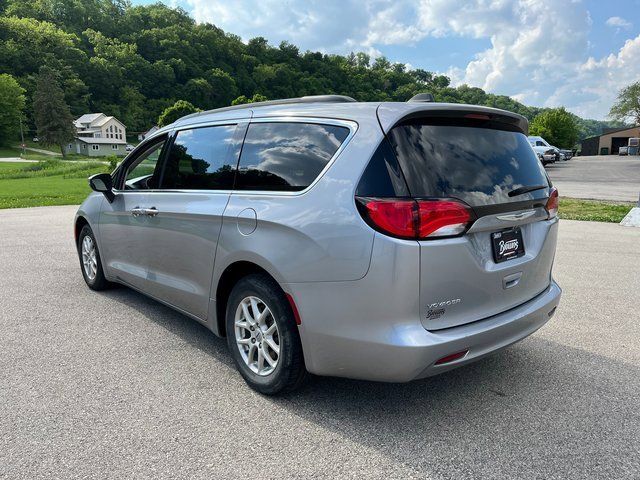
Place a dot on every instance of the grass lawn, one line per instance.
(592, 210)
(11, 166)
(45, 183)
(11, 152)
(53, 182)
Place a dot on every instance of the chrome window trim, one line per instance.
(350, 124)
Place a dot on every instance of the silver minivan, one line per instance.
(381, 241)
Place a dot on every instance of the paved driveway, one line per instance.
(607, 177)
(114, 385)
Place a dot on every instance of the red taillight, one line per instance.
(552, 204)
(416, 219)
(442, 218)
(392, 216)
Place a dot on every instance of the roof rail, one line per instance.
(284, 101)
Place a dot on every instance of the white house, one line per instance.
(98, 135)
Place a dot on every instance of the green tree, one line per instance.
(176, 111)
(51, 113)
(135, 61)
(557, 126)
(11, 105)
(255, 99)
(627, 106)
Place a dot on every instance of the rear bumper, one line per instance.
(401, 350)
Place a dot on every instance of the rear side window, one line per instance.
(477, 165)
(382, 177)
(286, 156)
(202, 159)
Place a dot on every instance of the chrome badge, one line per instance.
(437, 309)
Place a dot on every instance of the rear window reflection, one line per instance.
(286, 156)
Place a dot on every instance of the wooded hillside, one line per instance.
(134, 61)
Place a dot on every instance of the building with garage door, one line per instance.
(609, 141)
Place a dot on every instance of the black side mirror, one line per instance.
(102, 182)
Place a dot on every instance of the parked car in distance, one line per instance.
(623, 151)
(566, 154)
(36, 139)
(129, 147)
(547, 153)
(329, 236)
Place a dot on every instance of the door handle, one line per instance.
(150, 212)
(137, 211)
(511, 280)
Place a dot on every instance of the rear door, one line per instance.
(181, 234)
(505, 258)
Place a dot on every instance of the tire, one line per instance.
(289, 372)
(94, 279)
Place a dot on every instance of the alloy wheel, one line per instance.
(257, 335)
(89, 258)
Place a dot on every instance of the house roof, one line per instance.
(95, 120)
(91, 140)
(613, 130)
(88, 118)
(101, 121)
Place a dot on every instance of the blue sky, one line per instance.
(574, 53)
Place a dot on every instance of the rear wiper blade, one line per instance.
(522, 190)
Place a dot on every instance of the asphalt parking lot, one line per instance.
(114, 385)
(603, 177)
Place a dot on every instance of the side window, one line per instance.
(202, 159)
(144, 172)
(286, 156)
(382, 177)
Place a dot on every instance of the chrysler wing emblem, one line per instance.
(512, 217)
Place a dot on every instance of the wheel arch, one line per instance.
(231, 275)
(80, 222)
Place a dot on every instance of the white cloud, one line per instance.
(617, 22)
(538, 49)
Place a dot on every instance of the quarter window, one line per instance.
(202, 159)
(286, 156)
(144, 172)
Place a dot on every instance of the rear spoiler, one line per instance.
(392, 114)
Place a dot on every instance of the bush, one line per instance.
(113, 161)
(176, 111)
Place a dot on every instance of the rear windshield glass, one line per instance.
(477, 165)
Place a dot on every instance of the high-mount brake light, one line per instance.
(477, 116)
(552, 204)
(416, 219)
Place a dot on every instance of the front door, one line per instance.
(123, 224)
(181, 232)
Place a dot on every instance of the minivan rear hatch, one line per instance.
(505, 256)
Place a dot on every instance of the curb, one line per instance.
(632, 219)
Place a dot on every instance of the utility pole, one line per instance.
(22, 144)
